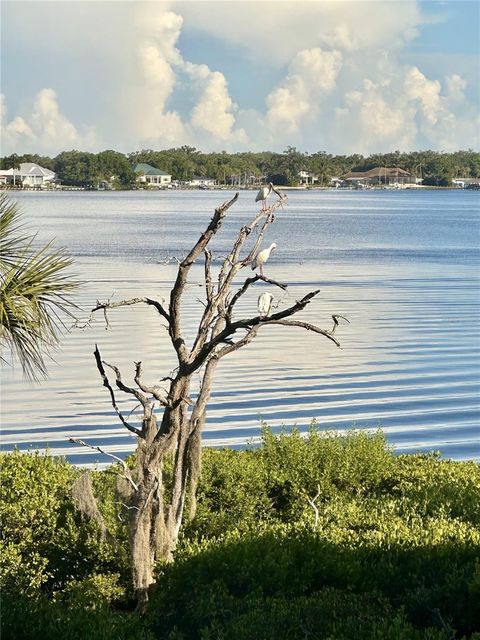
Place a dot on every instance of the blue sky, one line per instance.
(342, 75)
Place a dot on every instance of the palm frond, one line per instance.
(13, 241)
(34, 293)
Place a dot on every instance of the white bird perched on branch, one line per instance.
(262, 257)
(264, 304)
(265, 192)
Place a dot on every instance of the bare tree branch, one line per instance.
(269, 218)
(230, 267)
(123, 387)
(307, 326)
(126, 476)
(336, 323)
(312, 503)
(182, 274)
(125, 303)
(155, 391)
(208, 276)
(232, 327)
(107, 384)
(248, 282)
(250, 335)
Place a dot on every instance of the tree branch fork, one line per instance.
(217, 328)
(156, 515)
(220, 302)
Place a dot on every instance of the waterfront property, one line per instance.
(27, 174)
(386, 176)
(201, 182)
(307, 177)
(148, 175)
(466, 183)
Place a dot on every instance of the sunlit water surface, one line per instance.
(403, 266)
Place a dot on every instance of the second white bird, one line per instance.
(265, 301)
(262, 257)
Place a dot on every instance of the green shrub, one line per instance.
(45, 544)
(405, 528)
(219, 582)
(31, 618)
(322, 537)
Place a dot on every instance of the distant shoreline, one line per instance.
(65, 188)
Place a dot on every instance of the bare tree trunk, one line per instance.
(155, 519)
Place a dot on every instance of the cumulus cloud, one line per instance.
(373, 120)
(164, 28)
(407, 111)
(45, 129)
(456, 86)
(426, 93)
(211, 119)
(273, 33)
(214, 112)
(312, 73)
(333, 78)
(153, 121)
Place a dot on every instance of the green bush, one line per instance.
(239, 575)
(31, 618)
(255, 487)
(46, 546)
(405, 528)
(322, 537)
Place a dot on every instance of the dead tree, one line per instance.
(156, 514)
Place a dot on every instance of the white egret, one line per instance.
(262, 257)
(263, 194)
(265, 304)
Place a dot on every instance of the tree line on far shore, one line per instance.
(83, 169)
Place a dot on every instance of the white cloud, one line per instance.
(153, 121)
(406, 111)
(214, 111)
(212, 117)
(273, 32)
(373, 119)
(164, 28)
(312, 73)
(424, 92)
(339, 83)
(45, 129)
(456, 86)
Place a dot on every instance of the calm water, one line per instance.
(403, 266)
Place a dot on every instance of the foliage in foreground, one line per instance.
(393, 552)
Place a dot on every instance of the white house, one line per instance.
(28, 174)
(6, 176)
(147, 174)
(307, 177)
(335, 182)
(201, 182)
(466, 183)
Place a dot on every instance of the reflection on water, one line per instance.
(402, 266)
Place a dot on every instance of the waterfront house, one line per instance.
(385, 176)
(27, 174)
(148, 175)
(466, 183)
(201, 182)
(335, 182)
(307, 177)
